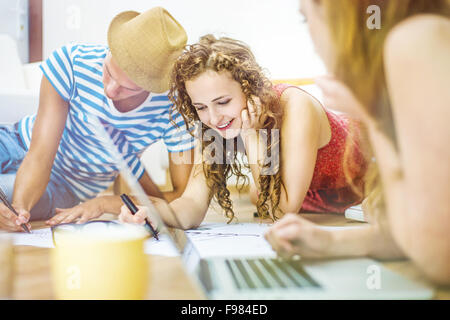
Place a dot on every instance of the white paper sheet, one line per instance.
(231, 240)
(239, 229)
(37, 238)
(161, 247)
(210, 239)
(43, 238)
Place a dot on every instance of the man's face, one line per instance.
(116, 83)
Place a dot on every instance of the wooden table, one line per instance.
(168, 279)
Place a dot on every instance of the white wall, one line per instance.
(14, 22)
(272, 28)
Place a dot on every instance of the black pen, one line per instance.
(131, 206)
(10, 207)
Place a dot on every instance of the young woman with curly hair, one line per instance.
(294, 146)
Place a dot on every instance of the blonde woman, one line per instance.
(395, 79)
(294, 146)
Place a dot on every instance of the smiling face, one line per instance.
(219, 101)
(117, 85)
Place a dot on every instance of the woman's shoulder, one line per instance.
(298, 106)
(423, 22)
(423, 32)
(292, 96)
(415, 53)
(302, 112)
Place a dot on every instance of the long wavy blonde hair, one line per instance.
(359, 63)
(233, 56)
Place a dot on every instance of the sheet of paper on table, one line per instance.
(37, 238)
(210, 239)
(43, 238)
(238, 238)
(230, 240)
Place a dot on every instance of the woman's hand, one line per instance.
(339, 97)
(84, 212)
(293, 235)
(126, 216)
(251, 115)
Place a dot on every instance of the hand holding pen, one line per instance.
(137, 216)
(7, 220)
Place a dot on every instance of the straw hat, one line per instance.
(145, 46)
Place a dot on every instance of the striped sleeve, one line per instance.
(135, 165)
(58, 69)
(125, 149)
(177, 138)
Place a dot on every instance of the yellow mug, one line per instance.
(99, 260)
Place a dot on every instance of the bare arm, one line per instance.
(417, 180)
(193, 204)
(190, 208)
(295, 235)
(301, 135)
(180, 166)
(34, 173)
(94, 208)
(300, 139)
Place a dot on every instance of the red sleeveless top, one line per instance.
(337, 180)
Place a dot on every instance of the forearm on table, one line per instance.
(110, 204)
(367, 240)
(188, 213)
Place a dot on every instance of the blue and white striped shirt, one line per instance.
(82, 161)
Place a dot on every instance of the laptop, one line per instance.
(268, 277)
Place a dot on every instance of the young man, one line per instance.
(56, 159)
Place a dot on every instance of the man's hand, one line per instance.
(10, 222)
(84, 212)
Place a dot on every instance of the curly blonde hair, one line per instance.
(233, 56)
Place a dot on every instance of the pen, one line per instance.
(131, 206)
(10, 207)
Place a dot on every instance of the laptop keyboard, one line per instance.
(268, 273)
